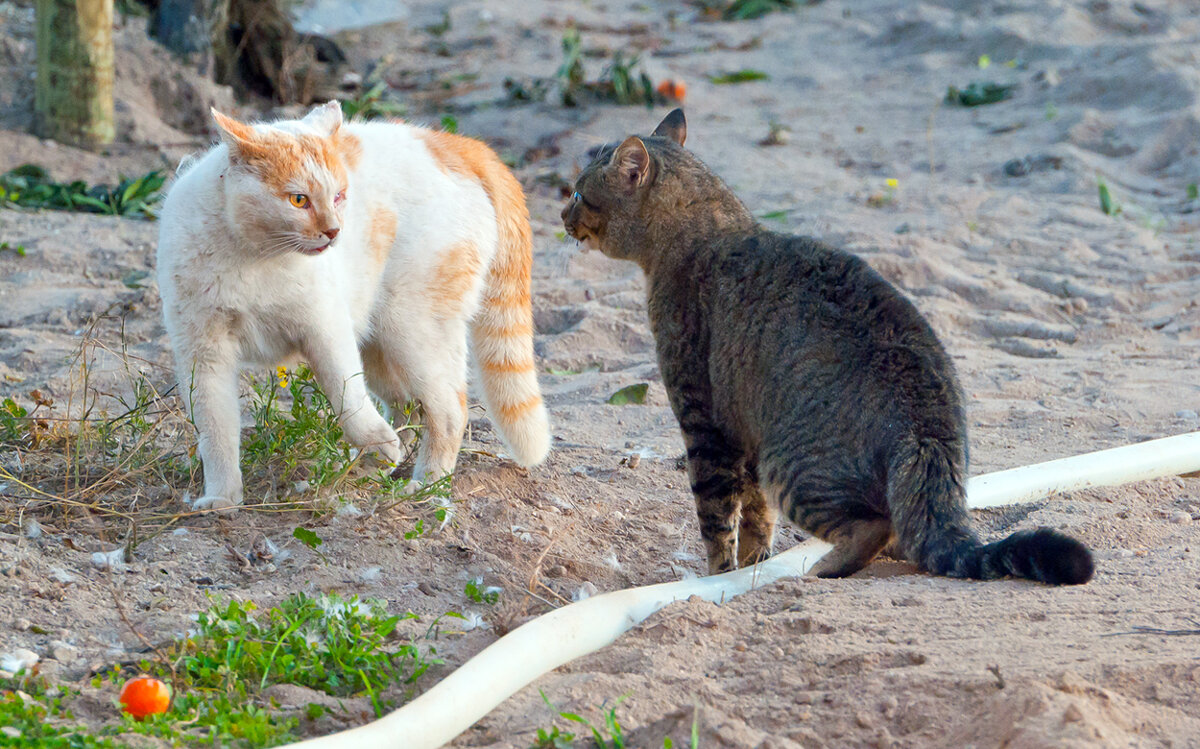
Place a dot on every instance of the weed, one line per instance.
(1193, 191)
(743, 10)
(29, 186)
(476, 591)
(369, 104)
(739, 76)
(300, 440)
(450, 123)
(609, 735)
(334, 646)
(18, 249)
(440, 28)
(35, 717)
(621, 82)
(977, 94)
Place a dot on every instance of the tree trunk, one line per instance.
(74, 98)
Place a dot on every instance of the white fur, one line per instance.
(236, 295)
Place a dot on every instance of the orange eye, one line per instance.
(299, 200)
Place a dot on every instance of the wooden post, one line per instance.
(74, 97)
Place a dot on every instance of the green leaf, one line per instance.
(307, 537)
(1106, 201)
(635, 394)
(977, 94)
(739, 76)
(450, 123)
(133, 279)
(776, 215)
(1193, 191)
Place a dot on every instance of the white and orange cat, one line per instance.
(369, 250)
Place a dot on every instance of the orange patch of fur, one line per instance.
(462, 401)
(277, 157)
(349, 146)
(453, 278)
(511, 413)
(381, 234)
(510, 367)
(508, 278)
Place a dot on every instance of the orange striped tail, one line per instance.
(502, 332)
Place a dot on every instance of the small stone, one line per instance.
(60, 575)
(863, 719)
(103, 560)
(1187, 414)
(587, 590)
(1072, 714)
(22, 625)
(63, 652)
(1179, 517)
(556, 570)
(33, 529)
(634, 460)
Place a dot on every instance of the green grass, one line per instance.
(39, 719)
(369, 104)
(342, 648)
(16, 249)
(29, 186)
(744, 10)
(739, 76)
(977, 94)
(622, 81)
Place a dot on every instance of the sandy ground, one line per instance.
(1072, 330)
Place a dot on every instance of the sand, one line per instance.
(1072, 331)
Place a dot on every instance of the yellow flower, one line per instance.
(282, 374)
(893, 183)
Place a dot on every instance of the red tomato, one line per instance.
(145, 696)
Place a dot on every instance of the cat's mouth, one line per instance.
(316, 250)
(580, 233)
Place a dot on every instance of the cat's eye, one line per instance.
(583, 200)
(340, 197)
(298, 200)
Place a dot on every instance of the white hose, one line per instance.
(521, 656)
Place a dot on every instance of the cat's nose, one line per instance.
(332, 233)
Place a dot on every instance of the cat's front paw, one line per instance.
(216, 503)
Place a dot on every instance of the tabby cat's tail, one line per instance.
(502, 331)
(927, 501)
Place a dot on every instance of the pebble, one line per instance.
(587, 590)
(33, 529)
(61, 575)
(1179, 517)
(22, 625)
(63, 652)
(103, 560)
(1187, 414)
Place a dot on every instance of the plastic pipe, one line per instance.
(523, 655)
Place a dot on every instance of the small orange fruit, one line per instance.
(672, 89)
(145, 696)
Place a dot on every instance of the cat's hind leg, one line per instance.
(855, 544)
(756, 527)
(432, 355)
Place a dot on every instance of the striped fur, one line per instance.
(407, 246)
(804, 383)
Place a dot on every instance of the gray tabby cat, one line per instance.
(804, 383)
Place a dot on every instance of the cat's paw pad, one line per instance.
(218, 504)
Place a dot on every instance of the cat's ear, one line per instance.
(632, 161)
(325, 119)
(244, 143)
(673, 126)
